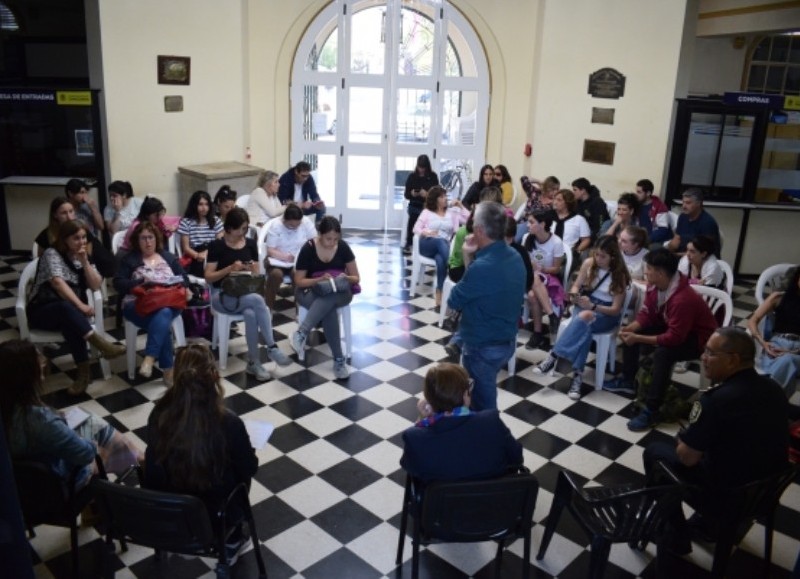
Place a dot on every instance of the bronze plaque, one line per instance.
(598, 152)
(603, 116)
(607, 83)
(173, 104)
(174, 69)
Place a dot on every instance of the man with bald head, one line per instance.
(738, 430)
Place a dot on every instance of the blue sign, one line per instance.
(770, 101)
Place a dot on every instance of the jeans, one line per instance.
(783, 369)
(323, 309)
(64, 317)
(158, 326)
(437, 249)
(317, 211)
(256, 318)
(482, 364)
(663, 360)
(576, 340)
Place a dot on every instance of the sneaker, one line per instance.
(298, 342)
(547, 365)
(234, 550)
(575, 387)
(619, 386)
(453, 352)
(535, 341)
(276, 355)
(644, 420)
(257, 370)
(340, 369)
(680, 367)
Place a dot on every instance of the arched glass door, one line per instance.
(374, 85)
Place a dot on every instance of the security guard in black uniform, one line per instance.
(738, 430)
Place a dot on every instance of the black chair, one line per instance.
(735, 510)
(609, 515)
(47, 499)
(172, 522)
(499, 509)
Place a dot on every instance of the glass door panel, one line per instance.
(367, 52)
(366, 115)
(415, 57)
(413, 115)
(363, 182)
(404, 166)
(320, 113)
(323, 169)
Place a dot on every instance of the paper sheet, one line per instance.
(259, 432)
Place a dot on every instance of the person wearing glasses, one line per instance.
(503, 177)
(736, 435)
(473, 195)
(674, 321)
(452, 442)
(297, 185)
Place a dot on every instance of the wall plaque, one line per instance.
(173, 104)
(601, 152)
(603, 116)
(607, 83)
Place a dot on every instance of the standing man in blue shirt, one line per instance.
(490, 297)
(298, 185)
(692, 222)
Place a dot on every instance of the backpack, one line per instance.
(674, 408)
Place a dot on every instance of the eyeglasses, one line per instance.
(470, 386)
(498, 174)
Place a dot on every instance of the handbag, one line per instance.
(337, 284)
(151, 298)
(237, 286)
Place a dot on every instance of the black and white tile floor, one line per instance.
(328, 492)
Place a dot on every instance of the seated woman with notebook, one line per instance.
(35, 431)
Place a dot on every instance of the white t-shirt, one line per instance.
(288, 240)
(575, 228)
(544, 254)
(635, 263)
(298, 193)
(711, 273)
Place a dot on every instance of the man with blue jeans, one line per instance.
(297, 185)
(489, 297)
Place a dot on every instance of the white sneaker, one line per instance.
(298, 342)
(575, 387)
(276, 355)
(340, 369)
(257, 370)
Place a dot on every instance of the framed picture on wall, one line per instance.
(174, 69)
(598, 152)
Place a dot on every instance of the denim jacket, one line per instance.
(43, 435)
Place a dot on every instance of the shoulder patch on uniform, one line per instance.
(697, 408)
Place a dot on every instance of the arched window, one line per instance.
(775, 65)
(361, 122)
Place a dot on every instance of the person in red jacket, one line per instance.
(674, 320)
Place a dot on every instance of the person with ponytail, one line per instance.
(196, 445)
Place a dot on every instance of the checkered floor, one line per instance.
(327, 495)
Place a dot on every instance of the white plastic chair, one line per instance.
(345, 326)
(116, 240)
(44, 336)
(221, 333)
(715, 298)
(768, 280)
(418, 263)
(605, 342)
(131, 331)
(404, 226)
(727, 272)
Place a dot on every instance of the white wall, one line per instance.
(639, 38)
(717, 66)
(145, 144)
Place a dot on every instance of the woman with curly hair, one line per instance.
(195, 444)
(598, 295)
